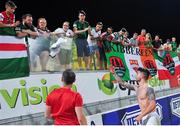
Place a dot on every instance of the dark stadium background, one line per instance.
(157, 16)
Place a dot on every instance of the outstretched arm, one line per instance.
(123, 83)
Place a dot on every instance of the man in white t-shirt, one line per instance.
(92, 39)
(64, 43)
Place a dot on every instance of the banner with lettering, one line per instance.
(126, 60)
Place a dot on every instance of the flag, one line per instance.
(126, 60)
(13, 57)
(168, 65)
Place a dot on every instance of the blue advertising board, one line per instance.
(168, 109)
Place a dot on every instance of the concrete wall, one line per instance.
(90, 109)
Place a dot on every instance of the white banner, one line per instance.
(27, 95)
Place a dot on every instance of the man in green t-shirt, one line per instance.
(173, 44)
(81, 30)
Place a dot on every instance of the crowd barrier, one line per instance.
(22, 96)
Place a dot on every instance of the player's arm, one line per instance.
(123, 83)
(79, 110)
(151, 106)
(47, 113)
(80, 115)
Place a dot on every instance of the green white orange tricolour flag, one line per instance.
(13, 57)
(127, 59)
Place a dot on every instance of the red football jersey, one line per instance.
(63, 102)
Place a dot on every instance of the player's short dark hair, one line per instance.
(68, 77)
(26, 15)
(145, 72)
(11, 4)
(82, 12)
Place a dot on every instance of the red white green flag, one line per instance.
(126, 60)
(13, 57)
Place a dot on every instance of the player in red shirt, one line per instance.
(64, 105)
(7, 17)
(141, 38)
